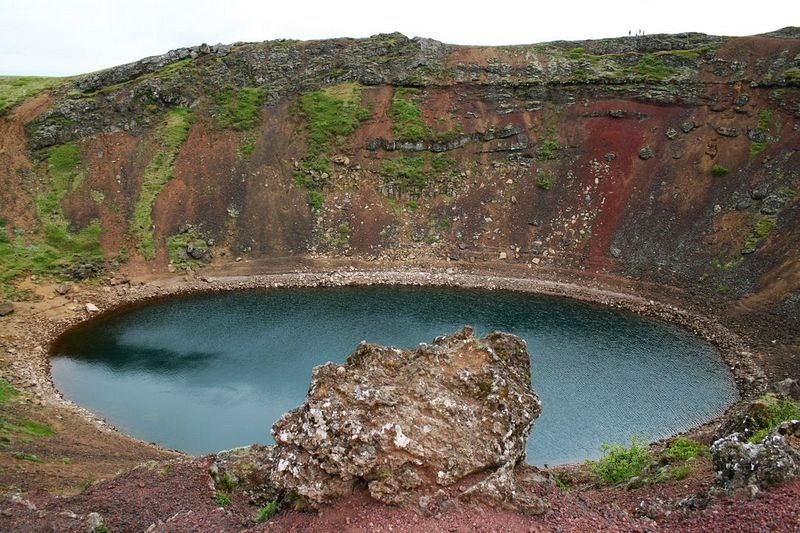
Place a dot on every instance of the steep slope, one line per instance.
(668, 158)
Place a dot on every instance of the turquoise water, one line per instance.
(211, 372)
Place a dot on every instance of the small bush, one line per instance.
(719, 170)
(619, 463)
(222, 499)
(545, 180)
(266, 512)
(316, 200)
(682, 449)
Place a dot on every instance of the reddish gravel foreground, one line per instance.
(178, 496)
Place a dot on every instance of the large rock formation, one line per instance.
(448, 419)
(759, 446)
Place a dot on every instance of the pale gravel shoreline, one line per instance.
(31, 366)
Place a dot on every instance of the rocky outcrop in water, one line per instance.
(417, 426)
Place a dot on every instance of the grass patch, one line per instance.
(58, 244)
(15, 89)
(28, 427)
(405, 173)
(619, 463)
(777, 410)
(756, 148)
(763, 227)
(222, 498)
(441, 164)
(332, 115)
(764, 120)
(248, 145)
(407, 121)
(265, 512)
(170, 138)
(315, 199)
(176, 243)
(27, 457)
(547, 146)
(239, 110)
(683, 449)
(651, 69)
(719, 170)
(545, 179)
(7, 392)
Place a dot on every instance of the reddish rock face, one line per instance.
(411, 423)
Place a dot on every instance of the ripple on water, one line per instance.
(210, 372)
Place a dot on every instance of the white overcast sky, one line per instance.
(64, 37)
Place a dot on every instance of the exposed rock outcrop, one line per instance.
(751, 466)
(417, 426)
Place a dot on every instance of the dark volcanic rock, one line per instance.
(740, 464)
(413, 423)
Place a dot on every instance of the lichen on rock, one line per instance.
(412, 424)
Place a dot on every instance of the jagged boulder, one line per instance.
(447, 419)
(740, 464)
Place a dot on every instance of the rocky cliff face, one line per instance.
(671, 158)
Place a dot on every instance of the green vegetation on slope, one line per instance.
(776, 410)
(57, 245)
(405, 173)
(407, 121)
(619, 463)
(239, 110)
(332, 115)
(176, 243)
(7, 392)
(171, 136)
(15, 89)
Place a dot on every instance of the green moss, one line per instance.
(7, 392)
(650, 68)
(756, 148)
(405, 173)
(248, 145)
(57, 244)
(407, 121)
(28, 427)
(176, 243)
(316, 200)
(15, 89)
(332, 115)
(265, 512)
(239, 110)
(719, 170)
(170, 138)
(545, 179)
(777, 410)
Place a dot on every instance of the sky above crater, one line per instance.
(66, 37)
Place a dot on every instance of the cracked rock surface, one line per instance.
(411, 424)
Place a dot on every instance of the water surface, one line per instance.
(211, 372)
